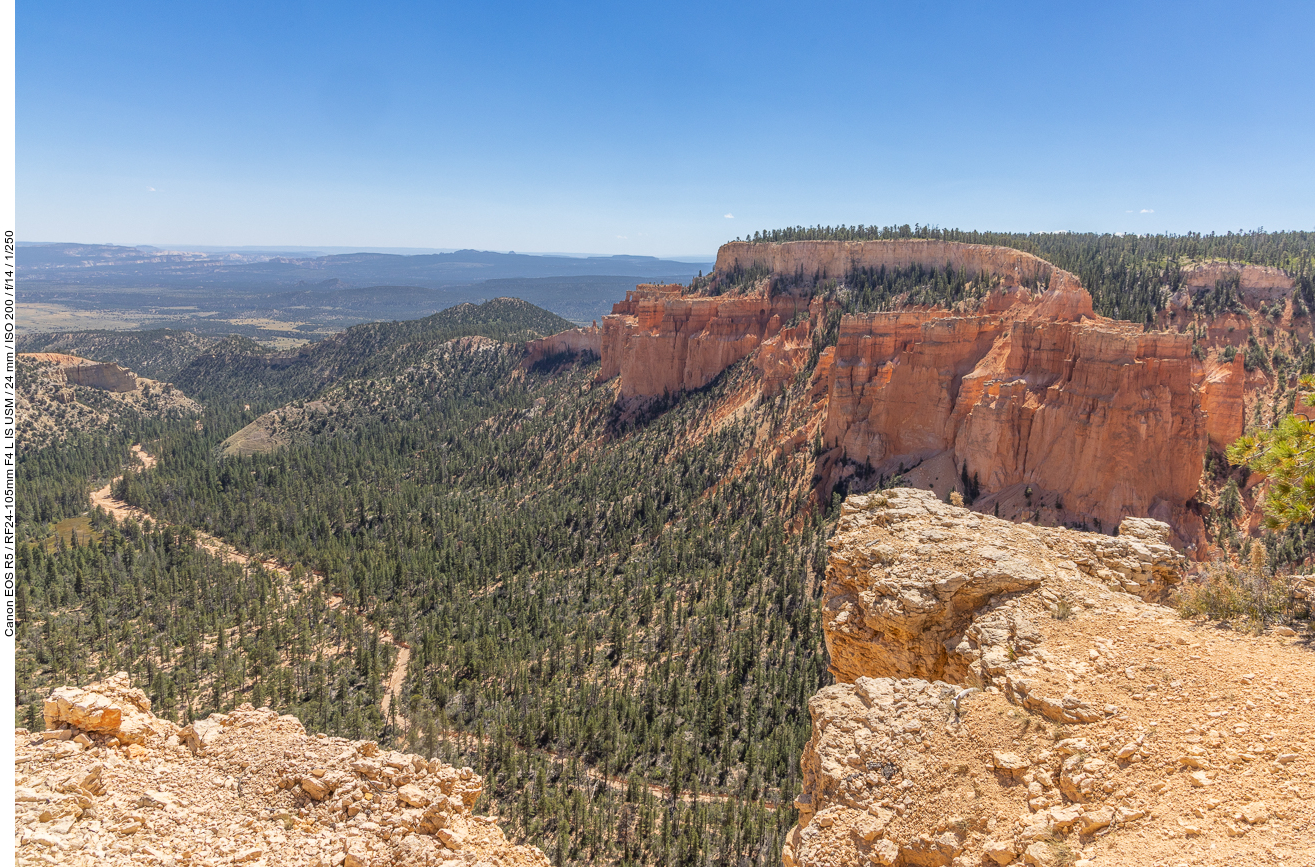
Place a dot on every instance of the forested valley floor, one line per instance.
(611, 618)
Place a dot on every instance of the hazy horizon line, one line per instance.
(330, 249)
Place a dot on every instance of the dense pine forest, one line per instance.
(158, 353)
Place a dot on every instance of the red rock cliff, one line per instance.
(1104, 415)
(1031, 390)
(664, 339)
(1265, 311)
(661, 342)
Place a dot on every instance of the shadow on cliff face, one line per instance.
(558, 362)
(636, 413)
(728, 389)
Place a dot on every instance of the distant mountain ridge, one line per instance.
(141, 266)
(209, 364)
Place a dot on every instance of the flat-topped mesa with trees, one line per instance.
(822, 260)
(985, 367)
(975, 364)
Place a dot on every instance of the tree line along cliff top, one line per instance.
(1126, 274)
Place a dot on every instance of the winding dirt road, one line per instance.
(398, 675)
(104, 499)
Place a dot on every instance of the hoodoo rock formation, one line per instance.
(1007, 696)
(1223, 399)
(109, 783)
(1023, 389)
(1238, 298)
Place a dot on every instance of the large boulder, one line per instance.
(111, 706)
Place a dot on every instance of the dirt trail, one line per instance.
(104, 499)
(398, 675)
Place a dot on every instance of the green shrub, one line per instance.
(1250, 597)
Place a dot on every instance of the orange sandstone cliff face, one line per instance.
(1058, 414)
(1103, 417)
(661, 342)
(1222, 398)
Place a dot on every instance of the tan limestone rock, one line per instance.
(106, 377)
(1003, 696)
(254, 788)
(576, 341)
(110, 706)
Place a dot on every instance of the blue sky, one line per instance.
(655, 128)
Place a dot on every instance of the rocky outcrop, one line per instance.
(576, 341)
(780, 357)
(1258, 284)
(900, 601)
(1006, 695)
(246, 787)
(106, 377)
(109, 707)
(62, 394)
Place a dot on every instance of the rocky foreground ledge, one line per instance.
(1008, 696)
(109, 783)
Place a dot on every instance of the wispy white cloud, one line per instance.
(1148, 210)
(150, 189)
(730, 216)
